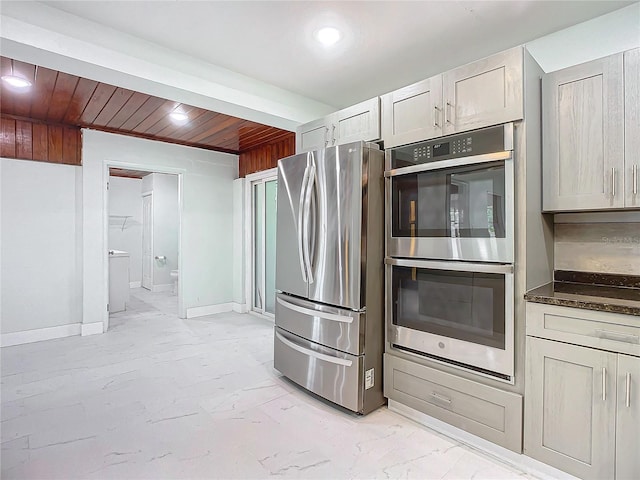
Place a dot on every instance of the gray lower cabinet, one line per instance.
(487, 412)
(570, 408)
(582, 398)
(628, 418)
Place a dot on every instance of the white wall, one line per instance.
(165, 227)
(207, 223)
(40, 238)
(238, 242)
(605, 35)
(125, 199)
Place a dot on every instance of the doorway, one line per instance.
(144, 211)
(264, 191)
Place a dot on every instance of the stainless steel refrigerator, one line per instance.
(329, 333)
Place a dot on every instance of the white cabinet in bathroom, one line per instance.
(118, 280)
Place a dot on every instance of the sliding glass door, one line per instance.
(263, 207)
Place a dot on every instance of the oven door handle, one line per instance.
(451, 266)
(454, 162)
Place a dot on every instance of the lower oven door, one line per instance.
(458, 312)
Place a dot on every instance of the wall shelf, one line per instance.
(123, 218)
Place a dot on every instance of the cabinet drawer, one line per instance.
(603, 330)
(479, 409)
(334, 375)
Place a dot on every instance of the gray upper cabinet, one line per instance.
(583, 136)
(358, 122)
(412, 113)
(632, 127)
(482, 93)
(570, 408)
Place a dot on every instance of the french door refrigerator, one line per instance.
(329, 333)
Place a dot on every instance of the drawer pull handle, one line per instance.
(604, 384)
(310, 353)
(627, 400)
(315, 313)
(617, 337)
(613, 182)
(441, 398)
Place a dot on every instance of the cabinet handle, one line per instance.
(333, 134)
(435, 116)
(627, 400)
(613, 182)
(617, 336)
(447, 114)
(326, 134)
(441, 398)
(634, 175)
(604, 384)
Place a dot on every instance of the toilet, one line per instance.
(174, 277)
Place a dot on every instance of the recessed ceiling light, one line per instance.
(179, 117)
(328, 35)
(14, 81)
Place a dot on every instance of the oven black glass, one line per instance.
(463, 305)
(465, 202)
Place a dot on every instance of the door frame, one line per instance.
(147, 194)
(250, 180)
(106, 164)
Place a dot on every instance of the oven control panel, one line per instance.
(477, 142)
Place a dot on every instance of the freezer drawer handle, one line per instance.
(315, 313)
(311, 353)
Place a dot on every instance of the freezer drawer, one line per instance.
(336, 376)
(329, 326)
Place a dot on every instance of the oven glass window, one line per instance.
(467, 202)
(463, 305)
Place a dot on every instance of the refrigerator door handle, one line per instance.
(299, 229)
(311, 353)
(315, 313)
(306, 220)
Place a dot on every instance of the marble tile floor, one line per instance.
(160, 397)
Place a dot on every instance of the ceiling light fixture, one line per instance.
(15, 81)
(328, 35)
(179, 117)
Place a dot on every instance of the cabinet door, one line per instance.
(632, 127)
(313, 135)
(358, 122)
(483, 93)
(413, 113)
(583, 136)
(628, 419)
(570, 407)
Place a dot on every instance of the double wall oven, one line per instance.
(450, 249)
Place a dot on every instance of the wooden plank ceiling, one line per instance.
(60, 98)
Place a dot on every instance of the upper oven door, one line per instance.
(457, 209)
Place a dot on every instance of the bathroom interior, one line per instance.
(143, 243)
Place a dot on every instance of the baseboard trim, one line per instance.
(162, 288)
(39, 334)
(240, 307)
(209, 310)
(135, 284)
(518, 460)
(93, 328)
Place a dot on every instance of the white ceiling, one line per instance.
(257, 59)
(387, 44)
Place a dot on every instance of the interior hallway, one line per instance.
(160, 397)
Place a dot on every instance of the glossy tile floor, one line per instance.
(159, 397)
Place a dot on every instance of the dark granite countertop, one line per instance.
(591, 291)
